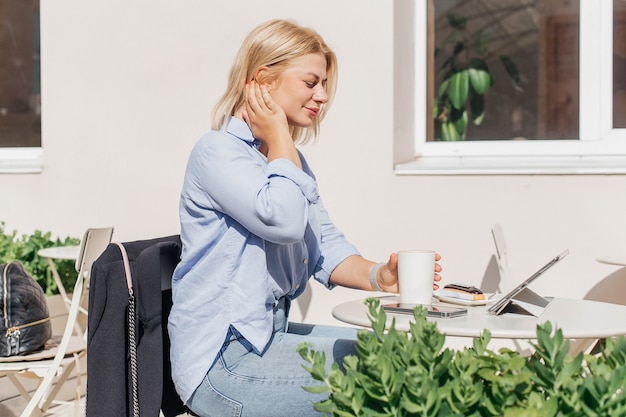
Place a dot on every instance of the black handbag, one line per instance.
(24, 316)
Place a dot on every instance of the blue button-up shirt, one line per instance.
(252, 232)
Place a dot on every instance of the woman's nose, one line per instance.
(320, 94)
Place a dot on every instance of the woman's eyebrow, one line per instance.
(317, 77)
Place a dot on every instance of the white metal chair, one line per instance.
(61, 355)
(611, 289)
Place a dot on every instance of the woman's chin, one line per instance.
(308, 122)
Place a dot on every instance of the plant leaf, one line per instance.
(449, 132)
(459, 88)
(480, 80)
(316, 389)
(457, 21)
(443, 88)
(459, 119)
(511, 68)
(477, 107)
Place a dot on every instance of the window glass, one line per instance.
(619, 63)
(20, 89)
(504, 69)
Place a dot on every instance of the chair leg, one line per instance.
(79, 383)
(67, 371)
(52, 393)
(16, 381)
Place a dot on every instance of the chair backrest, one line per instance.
(94, 242)
(91, 247)
(151, 263)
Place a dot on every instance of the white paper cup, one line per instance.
(416, 274)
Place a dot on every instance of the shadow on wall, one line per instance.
(491, 278)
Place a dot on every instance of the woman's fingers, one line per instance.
(265, 98)
(258, 99)
(252, 103)
(438, 269)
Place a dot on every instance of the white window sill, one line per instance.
(21, 160)
(514, 165)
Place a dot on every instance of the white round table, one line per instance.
(578, 319)
(60, 252)
(69, 253)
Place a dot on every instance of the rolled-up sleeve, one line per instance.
(270, 200)
(285, 168)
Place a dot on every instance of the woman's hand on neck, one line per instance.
(268, 123)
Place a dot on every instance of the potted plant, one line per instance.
(398, 373)
(464, 78)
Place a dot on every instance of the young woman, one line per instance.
(254, 230)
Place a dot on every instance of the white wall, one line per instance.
(128, 88)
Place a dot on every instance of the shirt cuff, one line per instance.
(327, 265)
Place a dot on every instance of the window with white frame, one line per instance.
(20, 87)
(512, 86)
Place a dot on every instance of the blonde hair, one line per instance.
(274, 45)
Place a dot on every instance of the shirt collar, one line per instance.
(240, 129)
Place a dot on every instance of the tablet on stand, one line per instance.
(522, 300)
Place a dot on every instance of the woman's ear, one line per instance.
(260, 74)
(261, 77)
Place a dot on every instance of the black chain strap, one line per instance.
(133, 353)
(132, 336)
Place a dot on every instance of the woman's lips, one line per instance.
(313, 112)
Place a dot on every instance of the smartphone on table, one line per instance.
(434, 310)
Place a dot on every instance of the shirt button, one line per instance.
(297, 286)
(305, 261)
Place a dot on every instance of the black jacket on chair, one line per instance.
(109, 385)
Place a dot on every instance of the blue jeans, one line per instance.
(243, 383)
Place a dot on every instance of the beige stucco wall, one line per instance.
(128, 88)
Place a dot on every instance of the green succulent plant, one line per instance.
(397, 373)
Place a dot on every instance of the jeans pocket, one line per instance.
(206, 401)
